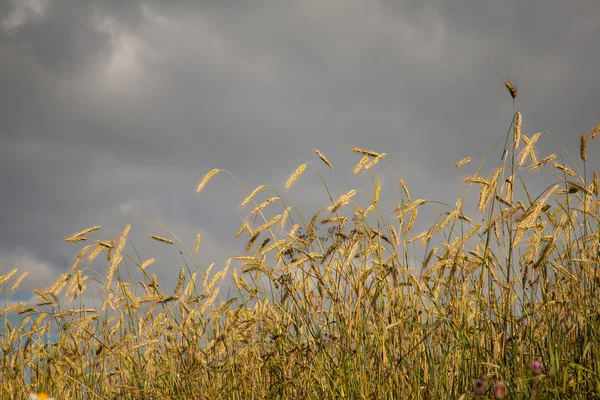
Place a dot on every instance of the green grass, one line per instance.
(349, 302)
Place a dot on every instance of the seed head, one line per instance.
(595, 131)
(517, 130)
(512, 89)
(582, 147)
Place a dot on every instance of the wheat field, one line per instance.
(498, 300)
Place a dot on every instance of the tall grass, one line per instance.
(343, 303)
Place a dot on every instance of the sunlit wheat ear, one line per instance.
(197, 244)
(80, 256)
(263, 205)
(488, 192)
(411, 221)
(286, 214)
(517, 130)
(395, 235)
(462, 162)
(4, 278)
(406, 208)
(528, 150)
(117, 257)
(564, 169)
(583, 147)
(161, 239)
(18, 281)
(405, 189)
(79, 235)
(595, 131)
(206, 178)
(363, 161)
(342, 201)
(294, 176)
(376, 190)
(365, 152)
(147, 263)
(543, 161)
(244, 227)
(323, 158)
(251, 196)
(512, 89)
(595, 183)
(375, 161)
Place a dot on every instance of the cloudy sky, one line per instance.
(111, 111)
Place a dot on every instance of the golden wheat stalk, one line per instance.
(263, 205)
(529, 149)
(251, 196)
(78, 236)
(161, 239)
(80, 256)
(411, 221)
(376, 190)
(94, 254)
(363, 161)
(517, 130)
(595, 131)
(365, 152)
(205, 180)
(116, 259)
(406, 208)
(295, 175)
(564, 169)
(197, 244)
(4, 278)
(512, 89)
(147, 263)
(405, 189)
(543, 161)
(323, 158)
(529, 218)
(341, 201)
(18, 281)
(375, 161)
(462, 162)
(477, 179)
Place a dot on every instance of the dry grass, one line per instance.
(343, 304)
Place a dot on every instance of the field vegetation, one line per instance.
(350, 302)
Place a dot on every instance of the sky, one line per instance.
(112, 112)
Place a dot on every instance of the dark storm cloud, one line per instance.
(112, 111)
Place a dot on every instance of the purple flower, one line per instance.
(479, 387)
(536, 368)
(499, 390)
